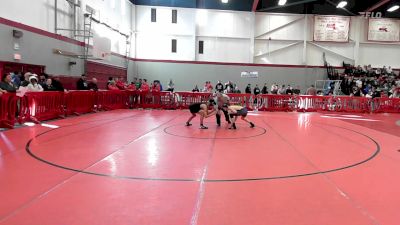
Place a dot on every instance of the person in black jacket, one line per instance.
(7, 85)
(48, 85)
(57, 84)
(264, 90)
(93, 85)
(219, 87)
(82, 84)
(248, 89)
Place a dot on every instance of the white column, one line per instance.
(252, 32)
(357, 37)
(305, 36)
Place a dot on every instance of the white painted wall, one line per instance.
(154, 39)
(116, 13)
(229, 36)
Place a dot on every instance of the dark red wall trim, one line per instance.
(39, 31)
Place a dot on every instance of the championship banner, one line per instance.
(380, 29)
(331, 28)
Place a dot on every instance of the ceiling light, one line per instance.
(393, 8)
(224, 1)
(282, 2)
(342, 4)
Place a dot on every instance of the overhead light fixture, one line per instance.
(342, 4)
(282, 2)
(224, 1)
(393, 8)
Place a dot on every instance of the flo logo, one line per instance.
(367, 15)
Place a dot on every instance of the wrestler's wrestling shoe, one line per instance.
(203, 127)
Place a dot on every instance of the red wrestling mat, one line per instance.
(147, 168)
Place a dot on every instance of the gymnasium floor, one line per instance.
(131, 167)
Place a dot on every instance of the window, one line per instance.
(174, 16)
(201, 47)
(153, 15)
(173, 45)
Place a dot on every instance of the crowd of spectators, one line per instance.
(29, 82)
(115, 83)
(230, 87)
(370, 82)
(355, 81)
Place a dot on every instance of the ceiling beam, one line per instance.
(377, 5)
(255, 4)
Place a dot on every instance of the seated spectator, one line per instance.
(57, 84)
(25, 80)
(93, 85)
(282, 90)
(274, 89)
(43, 79)
(195, 89)
(289, 90)
(311, 90)
(237, 90)
(296, 90)
(81, 84)
(389, 70)
(171, 86)
(264, 89)
(16, 78)
(112, 86)
(396, 93)
(248, 89)
(34, 86)
(7, 84)
(48, 86)
(256, 90)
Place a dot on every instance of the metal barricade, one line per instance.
(40, 106)
(387, 105)
(351, 104)
(111, 100)
(185, 99)
(8, 110)
(283, 103)
(245, 100)
(78, 102)
(308, 103)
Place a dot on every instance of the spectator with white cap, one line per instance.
(33, 85)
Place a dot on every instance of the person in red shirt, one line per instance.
(156, 87)
(112, 87)
(120, 84)
(145, 87)
(131, 87)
